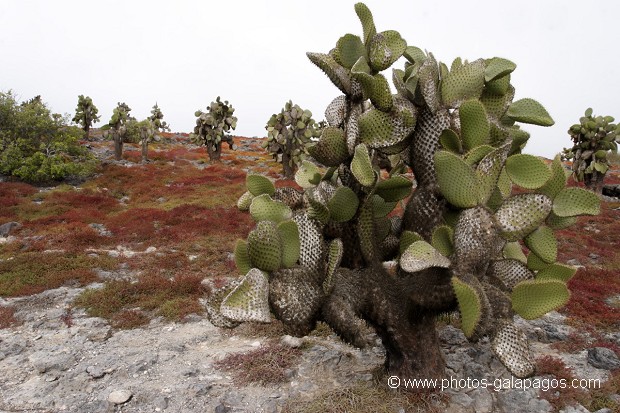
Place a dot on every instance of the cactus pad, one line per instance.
(263, 208)
(258, 185)
(242, 258)
(521, 214)
(394, 189)
(289, 235)
(368, 23)
(312, 249)
(308, 175)
(475, 127)
(514, 251)
(348, 49)
(489, 170)
(527, 171)
(388, 132)
(557, 271)
(407, 238)
(470, 306)
(555, 222)
(339, 75)
(498, 67)
(335, 113)
(361, 166)
(509, 272)
(511, 347)
(442, 240)
(576, 201)
(543, 243)
(529, 111)
(343, 204)
(462, 83)
(380, 208)
(535, 298)
(429, 81)
(265, 246)
(331, 149)
(249, 301)
(384, 49)
(535, 263)
(556, 182)
(334, 257)
(381, 95)
(421, 255)
(477, 154)
(458, 182)
(450, 141)
(245, 201)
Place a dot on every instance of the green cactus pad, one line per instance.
(244, 201)
(458, 182)
(576, 201)
(384, 49)
(348, 49)
(555, 222)
(535, 263)
(429, 81)
(496, 105)
(497, 87)
(475, 127)
(308, 175)
(318, 211)
(331, 149)
(543, 243)
(289, 235)
(394, 189)
(527, 171)
(512, 349)
(242, 258)
(343, 204)
(336, 110)
(368, 23)
(380, 208)
(366, 231)
(381, 95)
(407, 238)
(477, 154)
(470, 306)
(521, 214)
(529, 111)
(534, 298)
(504, 184)
(339, 75)
(388, 132)
(498, 67)
(462, 83)
(334, 257)
(557, 272)
(414, 54)
(557, 181)
(421, 255)
(489, 170)
(249, 301)
(265, 246)
(361, 167)
(259, 185)
(442, 240)
(510, 272)
(263, 208)
(450, 141)
(513, 250)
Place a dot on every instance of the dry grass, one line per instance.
(7, 317)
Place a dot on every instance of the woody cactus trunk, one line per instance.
(118, 127)
(212, 127)
(338, 251)
(288, 134)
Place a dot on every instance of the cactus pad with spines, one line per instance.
(509, 272)
(557, 271)
(543, 243)
(527, 171)
(529, 111)
(458, 182)
(534, 298)
(521, 214)
(511, 347)
(470, 306)
(265, 246)
(576, 201)
(249, 301)
(421, 255)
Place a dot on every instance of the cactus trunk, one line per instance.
(118, 146)
(215, 152)
(145, 146)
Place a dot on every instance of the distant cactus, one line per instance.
(118, 127)
(212, 127)
(149, 129)
(85, 114)
(288, 134)
(337, 252)
(594, 137)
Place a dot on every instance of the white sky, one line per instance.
(184, 53)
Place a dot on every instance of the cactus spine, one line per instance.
(365, 273)
(594, 137)
(212, 127)
(288, 134)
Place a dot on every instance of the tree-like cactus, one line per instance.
(118, 127)
(288, 134)
(212, 127)
(85, 114)
(594, 137)
(149, 129)
(337, 252)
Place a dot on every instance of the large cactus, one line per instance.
(594, 137)
(85, 114)
(337, 252)
(288, 134)
(212, 127)
(118, 127)
(149, 129)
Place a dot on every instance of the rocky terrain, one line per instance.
(55, 357)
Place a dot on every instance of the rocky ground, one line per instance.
(57, 362)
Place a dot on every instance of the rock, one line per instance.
(603, 358)
(120, 396)
(222, 408)
(611, 190)
(483, 401)
(44, 361)
(5, 229)
(290, 341)
(452, 336)
(604, 410)
(575, 409)
(523, 401)
(574, 262)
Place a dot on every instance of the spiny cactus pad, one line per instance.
(543, 243)
(463, 82)
(457, 181)
(249, 301)
(470, 306)
(245, 201)
(442, 240)
(308, 175)
(557, 181)
(343, 204)
(331, 149)
(421, 255)
(521, 214)
(394, 188)
(527, 171)
(242, 258)
(529, 111)
(258, 185)
(265, 246)
(513, 250)
(511, 347)
(475, 127)
(289, 235)
(362, 167)
(576, 201)
(509, 272)
(498, 67)
(557, 271)
(263, 208)
(535, 298)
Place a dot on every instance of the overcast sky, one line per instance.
(183, 54)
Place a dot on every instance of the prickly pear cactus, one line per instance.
(118, 127)
(594, 137)
(338, 251)
(288, 134)
(86, 114)
(157, 117)
(212, 127)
